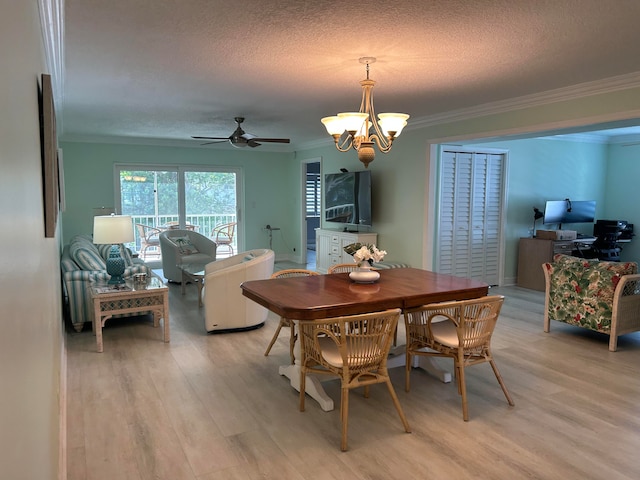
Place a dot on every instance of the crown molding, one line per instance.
(581, 90)
(580, 137)
(52, 24)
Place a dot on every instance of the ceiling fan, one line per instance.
(239, 138)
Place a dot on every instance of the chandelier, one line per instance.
(360, 130)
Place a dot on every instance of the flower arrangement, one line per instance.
(364, 253)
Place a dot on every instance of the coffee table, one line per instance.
(193, 272)
(130, 297)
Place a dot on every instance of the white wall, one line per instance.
(30, 294)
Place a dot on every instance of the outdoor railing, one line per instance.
(203, 224)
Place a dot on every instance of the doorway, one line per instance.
(311, 208)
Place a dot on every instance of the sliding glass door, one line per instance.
(190, 198)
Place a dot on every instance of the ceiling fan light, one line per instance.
(333, 125)
(392, 122)
(353, 121)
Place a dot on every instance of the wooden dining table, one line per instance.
(332, 295)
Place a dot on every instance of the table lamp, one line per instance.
(113, 229)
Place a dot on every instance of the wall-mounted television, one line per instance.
(568, 211)
(347, 198)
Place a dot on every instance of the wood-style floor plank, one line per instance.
(210, 407)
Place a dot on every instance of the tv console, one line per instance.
(330, 246)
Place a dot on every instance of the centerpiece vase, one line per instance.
(364, 274)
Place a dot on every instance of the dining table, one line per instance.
(333, 295)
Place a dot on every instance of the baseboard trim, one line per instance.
(62, 399)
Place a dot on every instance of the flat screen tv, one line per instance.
(347, 198)
(568, 211)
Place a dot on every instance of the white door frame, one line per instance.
(302, 213)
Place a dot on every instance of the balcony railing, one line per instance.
(203, 224)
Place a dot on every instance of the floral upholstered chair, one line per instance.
(600, 296)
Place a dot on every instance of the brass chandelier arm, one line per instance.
(383, 143)
(346, 144)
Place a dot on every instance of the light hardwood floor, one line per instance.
(211, 407)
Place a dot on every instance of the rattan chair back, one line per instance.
(461, 330)
(342, 268)
(354, 348)
(285, 322)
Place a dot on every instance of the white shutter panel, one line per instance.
(469, 224)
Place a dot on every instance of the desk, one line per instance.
(322, 296)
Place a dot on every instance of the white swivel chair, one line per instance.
(226, 309)
(181, 247)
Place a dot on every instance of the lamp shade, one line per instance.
(393, 122)
(110, 229)
(333, 125)
(353, 121)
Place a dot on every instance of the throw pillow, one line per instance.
(248, 257)
(86, 258)
(185, 247)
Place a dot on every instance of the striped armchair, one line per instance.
(83, 263)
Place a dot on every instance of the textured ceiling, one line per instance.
(166, 70)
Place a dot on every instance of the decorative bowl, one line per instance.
(364, 276)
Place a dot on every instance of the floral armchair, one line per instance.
(600, 296)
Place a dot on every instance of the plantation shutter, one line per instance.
(312, 192)
(470, 225)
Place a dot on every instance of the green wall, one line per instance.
(546, 169)
(268, 180)
(398, 185)
(623, 192)
(403, 180)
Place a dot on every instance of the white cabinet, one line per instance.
(330, 246)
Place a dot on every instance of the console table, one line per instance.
(330, 245)
(110, 300)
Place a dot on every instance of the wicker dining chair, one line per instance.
(148, 239)
(461, 330)
(342, 268)
(223, 235)
(285, 322)
(354, 348)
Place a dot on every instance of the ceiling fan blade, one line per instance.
(212, 143)
(272, 140)
(239, 138)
